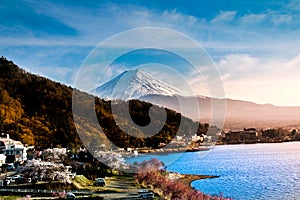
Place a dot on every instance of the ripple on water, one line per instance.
(247, 172)
(259, 171)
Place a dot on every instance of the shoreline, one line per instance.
(185, 150)
(177, 178)
(173, 150)
(187, 179)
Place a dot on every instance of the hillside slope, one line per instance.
(38, 112)
(34, 109)
(239, 114)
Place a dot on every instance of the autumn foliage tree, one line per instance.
(34, 109)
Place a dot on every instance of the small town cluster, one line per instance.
(244, 136)
(252, 135)
(15, 155)
(59, 170)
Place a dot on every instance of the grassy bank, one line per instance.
(10, 197)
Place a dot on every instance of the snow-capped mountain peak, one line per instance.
(134, 84)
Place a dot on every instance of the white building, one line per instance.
(14, 150)
(2, 159)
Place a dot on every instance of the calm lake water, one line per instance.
(247, 172)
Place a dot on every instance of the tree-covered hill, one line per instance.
(38, 112)
(34, 109)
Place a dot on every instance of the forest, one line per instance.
(38, 111)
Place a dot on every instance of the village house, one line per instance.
(14, 150)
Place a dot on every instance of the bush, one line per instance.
(173, 189)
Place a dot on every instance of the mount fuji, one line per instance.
(135, 84)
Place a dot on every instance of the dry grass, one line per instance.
(81, 182)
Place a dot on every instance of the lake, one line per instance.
(252, 171)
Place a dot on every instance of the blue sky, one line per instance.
(255, 44)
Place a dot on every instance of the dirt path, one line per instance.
(124, 187)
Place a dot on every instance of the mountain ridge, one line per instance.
(239, 113)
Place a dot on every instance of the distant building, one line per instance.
(233, 137)
(14, 150)
(246, 136)
(249, 135)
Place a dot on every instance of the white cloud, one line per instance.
(198, 83)
(110, 72)
(271, 17)
(261, 80)
(61, 74)
(96, 24)
(228, 32)
(225, 16)
(175, 16)
(235, 66)
(294, 5)
(281, 19)
(252, 19)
